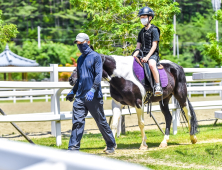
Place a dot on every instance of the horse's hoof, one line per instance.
(142, 147)
(163, 145)
(193, 139)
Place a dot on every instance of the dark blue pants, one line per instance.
(80, 110)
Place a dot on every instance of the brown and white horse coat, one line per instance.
(125, 89)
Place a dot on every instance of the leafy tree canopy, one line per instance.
(49, 53)
(214, 48)
(59, 20)
(115, 22)
(7, 31)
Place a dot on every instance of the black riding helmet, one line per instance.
(146, 11)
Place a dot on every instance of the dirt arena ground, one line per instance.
(38, 129)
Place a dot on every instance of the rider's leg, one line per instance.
(158, 88)
(153, 68)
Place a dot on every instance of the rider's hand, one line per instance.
(145, 59)
(90, 94)
(70, 96)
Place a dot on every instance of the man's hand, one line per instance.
(90, 94)
(70, 96)
(144, 59)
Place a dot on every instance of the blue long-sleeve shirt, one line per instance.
(89, 70)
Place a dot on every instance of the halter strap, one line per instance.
(104, 59)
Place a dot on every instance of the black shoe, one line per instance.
(158, 90)
(110, 150)
(104, 150)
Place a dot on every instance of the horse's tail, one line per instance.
(193, 122)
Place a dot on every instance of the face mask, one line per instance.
(144, 21)
(82, 47)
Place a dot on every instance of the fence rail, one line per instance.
(205, 84)
(31, 94)
(7, 95)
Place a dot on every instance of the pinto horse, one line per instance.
(126, 89)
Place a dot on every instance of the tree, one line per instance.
(214, 48)
(189, 8)
(7, 31)
(59, 20)
(49, 53)
(114, 23)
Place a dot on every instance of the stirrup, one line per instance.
(158, 92)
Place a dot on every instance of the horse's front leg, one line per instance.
(168, 118)
(140, 115)
(117, 111)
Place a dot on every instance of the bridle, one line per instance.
(104, 59)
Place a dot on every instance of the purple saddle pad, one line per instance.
(139, 72)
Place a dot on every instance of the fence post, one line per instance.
(220, 91)
(176, 115)
(31, 99)
(189, 84)
(123, 127)
(62, 97)
(46, 96)
(14, 97)
(54, 78)
(204, 90)
(119, 126)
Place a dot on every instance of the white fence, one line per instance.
(105, 91)
(55, 89)
(204, 93)
(104, 85)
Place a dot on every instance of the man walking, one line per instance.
(88, 96)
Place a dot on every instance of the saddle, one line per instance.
(149, 80)
(140, 70)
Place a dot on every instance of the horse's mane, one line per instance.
(107, 57)
(109, 63)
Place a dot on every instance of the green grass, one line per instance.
(209, 154)
(205, 154)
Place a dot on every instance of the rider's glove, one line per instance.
(70, 96)
(90, 94)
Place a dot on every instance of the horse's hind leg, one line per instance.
(181, 96)
(117, 111)
(168, 118)
(140, 115)
(191, 119)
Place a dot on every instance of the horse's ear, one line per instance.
(91, 47)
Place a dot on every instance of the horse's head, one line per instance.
(73, 77)
(109, 64)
